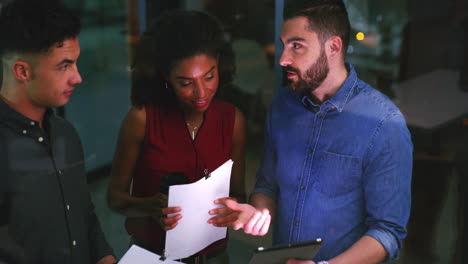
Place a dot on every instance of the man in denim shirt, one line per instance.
(338, 155)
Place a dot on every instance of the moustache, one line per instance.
(291, 69)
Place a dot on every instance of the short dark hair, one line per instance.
(326, 17)
(177, 35)
(34, 26)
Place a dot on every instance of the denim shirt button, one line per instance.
(310, 150)
(302, 187)
(296, 223)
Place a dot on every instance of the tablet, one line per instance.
(280, 253)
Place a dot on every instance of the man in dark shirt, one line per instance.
(47, 215)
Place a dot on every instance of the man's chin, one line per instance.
(295, 87)
(291, 85)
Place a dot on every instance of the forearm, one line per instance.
(260, 201)
(366, 250)
(131, 206)
(240, 196)
(238, 185)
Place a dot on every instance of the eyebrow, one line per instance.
(295, 39)
(187, 78)
(65, 61)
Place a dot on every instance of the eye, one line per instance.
(63, 67)
(296, 45)
(185, 84)
(209, 77)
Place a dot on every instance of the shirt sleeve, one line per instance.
(387, 183)
(265, 183)
(98, 245)
(10, 251)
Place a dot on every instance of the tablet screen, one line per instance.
(280, 253)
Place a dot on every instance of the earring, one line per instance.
(167, 87)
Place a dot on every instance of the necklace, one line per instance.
(192, 129)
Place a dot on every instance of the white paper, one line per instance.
(193, 233)
(139, 255)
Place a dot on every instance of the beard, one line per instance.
(313, 77)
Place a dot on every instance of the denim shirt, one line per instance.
(339, 170)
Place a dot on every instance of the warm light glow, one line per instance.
(360, 36)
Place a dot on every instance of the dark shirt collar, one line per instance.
(18, 121)
(341, 97)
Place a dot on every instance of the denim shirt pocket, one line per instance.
(337, 174)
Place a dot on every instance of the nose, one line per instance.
(77, 78)
(285, 59)
(199, 90)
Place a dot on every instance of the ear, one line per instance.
(22, 71)
(334, 45)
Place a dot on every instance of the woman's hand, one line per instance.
(159, 201)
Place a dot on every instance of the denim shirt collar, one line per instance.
(340, 98)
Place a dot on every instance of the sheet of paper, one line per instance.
(193, 233)
(139, 255)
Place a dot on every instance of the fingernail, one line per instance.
(210, 221)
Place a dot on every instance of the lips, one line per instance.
(291, 74)
(201, 103)
(68, 93)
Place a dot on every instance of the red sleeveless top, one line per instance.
(168, 147)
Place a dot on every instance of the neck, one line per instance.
(194, 122)
(335, 79)
(194, 119)
(21, 103)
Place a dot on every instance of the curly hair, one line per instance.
(34, 26)
(326, 17)
(175, 36)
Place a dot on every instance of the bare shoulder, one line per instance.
(135, 123)
(137, 114)
(239, 117)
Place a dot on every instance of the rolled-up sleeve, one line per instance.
(387, 183)
(266, 183)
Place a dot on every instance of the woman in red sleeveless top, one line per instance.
(176, 126)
